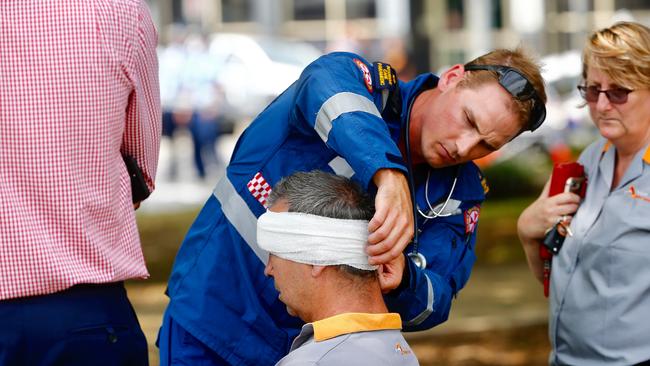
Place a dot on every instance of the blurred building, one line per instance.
(433, 33)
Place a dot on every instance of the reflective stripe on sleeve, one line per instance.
(239, 215)
(341, 167)
(425, 314)
(339, 104)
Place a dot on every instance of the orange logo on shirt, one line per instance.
(401, 349)
(639, 195)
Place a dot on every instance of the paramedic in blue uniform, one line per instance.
(354, 118)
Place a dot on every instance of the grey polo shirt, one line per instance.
(600, 281)
(354, 339)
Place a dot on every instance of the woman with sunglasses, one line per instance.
(600, 279)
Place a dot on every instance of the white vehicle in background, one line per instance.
(253, 71)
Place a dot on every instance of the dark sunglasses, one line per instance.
(615, 95)
(519, 87)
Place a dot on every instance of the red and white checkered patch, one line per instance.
(259, 188)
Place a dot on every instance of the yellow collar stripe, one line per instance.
(646, 156)
(606, 146)
(354, 322)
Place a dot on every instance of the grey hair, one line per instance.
(325, 194)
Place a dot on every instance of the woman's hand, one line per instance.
(538, 218)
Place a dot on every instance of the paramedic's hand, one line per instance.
(391, 274)
(391, 229)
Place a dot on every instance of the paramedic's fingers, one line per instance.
(390, 274)
(391, 228)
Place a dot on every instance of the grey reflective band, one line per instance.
(341, 167)
(239, 215)
(384, 98)
(425, 314)
(339, 104)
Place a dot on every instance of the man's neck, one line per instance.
(335, 300)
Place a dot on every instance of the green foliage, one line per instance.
(516, 178)
(497, 241)
(161, 235)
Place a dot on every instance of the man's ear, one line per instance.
(451, 77)
(316, 271)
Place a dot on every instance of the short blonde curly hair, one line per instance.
(519, 59)
(622, 52)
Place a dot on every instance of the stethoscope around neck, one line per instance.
(415, 256)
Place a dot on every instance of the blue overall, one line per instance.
(336, 117)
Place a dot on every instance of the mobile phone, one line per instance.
(574, 184)
(139, 189)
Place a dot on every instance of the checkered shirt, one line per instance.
(78, 87)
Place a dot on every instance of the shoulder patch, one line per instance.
(259, 188)
(471, 219)
(384, 75)
(367, 79)
(486, 188)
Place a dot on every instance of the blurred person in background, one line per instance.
(171, 59)
(191, 98)
(79, 91)
(316, 239)
(600, 292)
(353, 118)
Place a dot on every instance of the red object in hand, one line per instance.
(566, 177)
(560, 179)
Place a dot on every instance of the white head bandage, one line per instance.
(312, 239)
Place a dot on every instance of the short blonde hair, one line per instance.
(517, 59)
(622, 52)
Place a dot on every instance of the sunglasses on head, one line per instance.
(614, 95)
(519, 87)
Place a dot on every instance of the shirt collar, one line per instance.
(646, 156)
(354, 322)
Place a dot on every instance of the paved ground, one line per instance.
(497, 300)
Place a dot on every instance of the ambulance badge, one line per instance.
(471, 219)
(367, 79)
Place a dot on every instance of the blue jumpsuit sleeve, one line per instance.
(333, 103)
(423, 300)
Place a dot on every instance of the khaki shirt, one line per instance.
(600, 281)
(351, 339)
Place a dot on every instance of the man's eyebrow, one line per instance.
(472, 121)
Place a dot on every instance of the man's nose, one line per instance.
(466, 143)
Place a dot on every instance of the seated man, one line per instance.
(316, 231)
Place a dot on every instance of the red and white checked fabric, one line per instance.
(78, 87)
(259, 188)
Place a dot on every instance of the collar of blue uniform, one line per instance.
(353, 323)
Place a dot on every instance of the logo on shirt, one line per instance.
(385, 76)
(401, 349)
(471, 219)
(367, 79)
(634, 193)
(259, 188)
